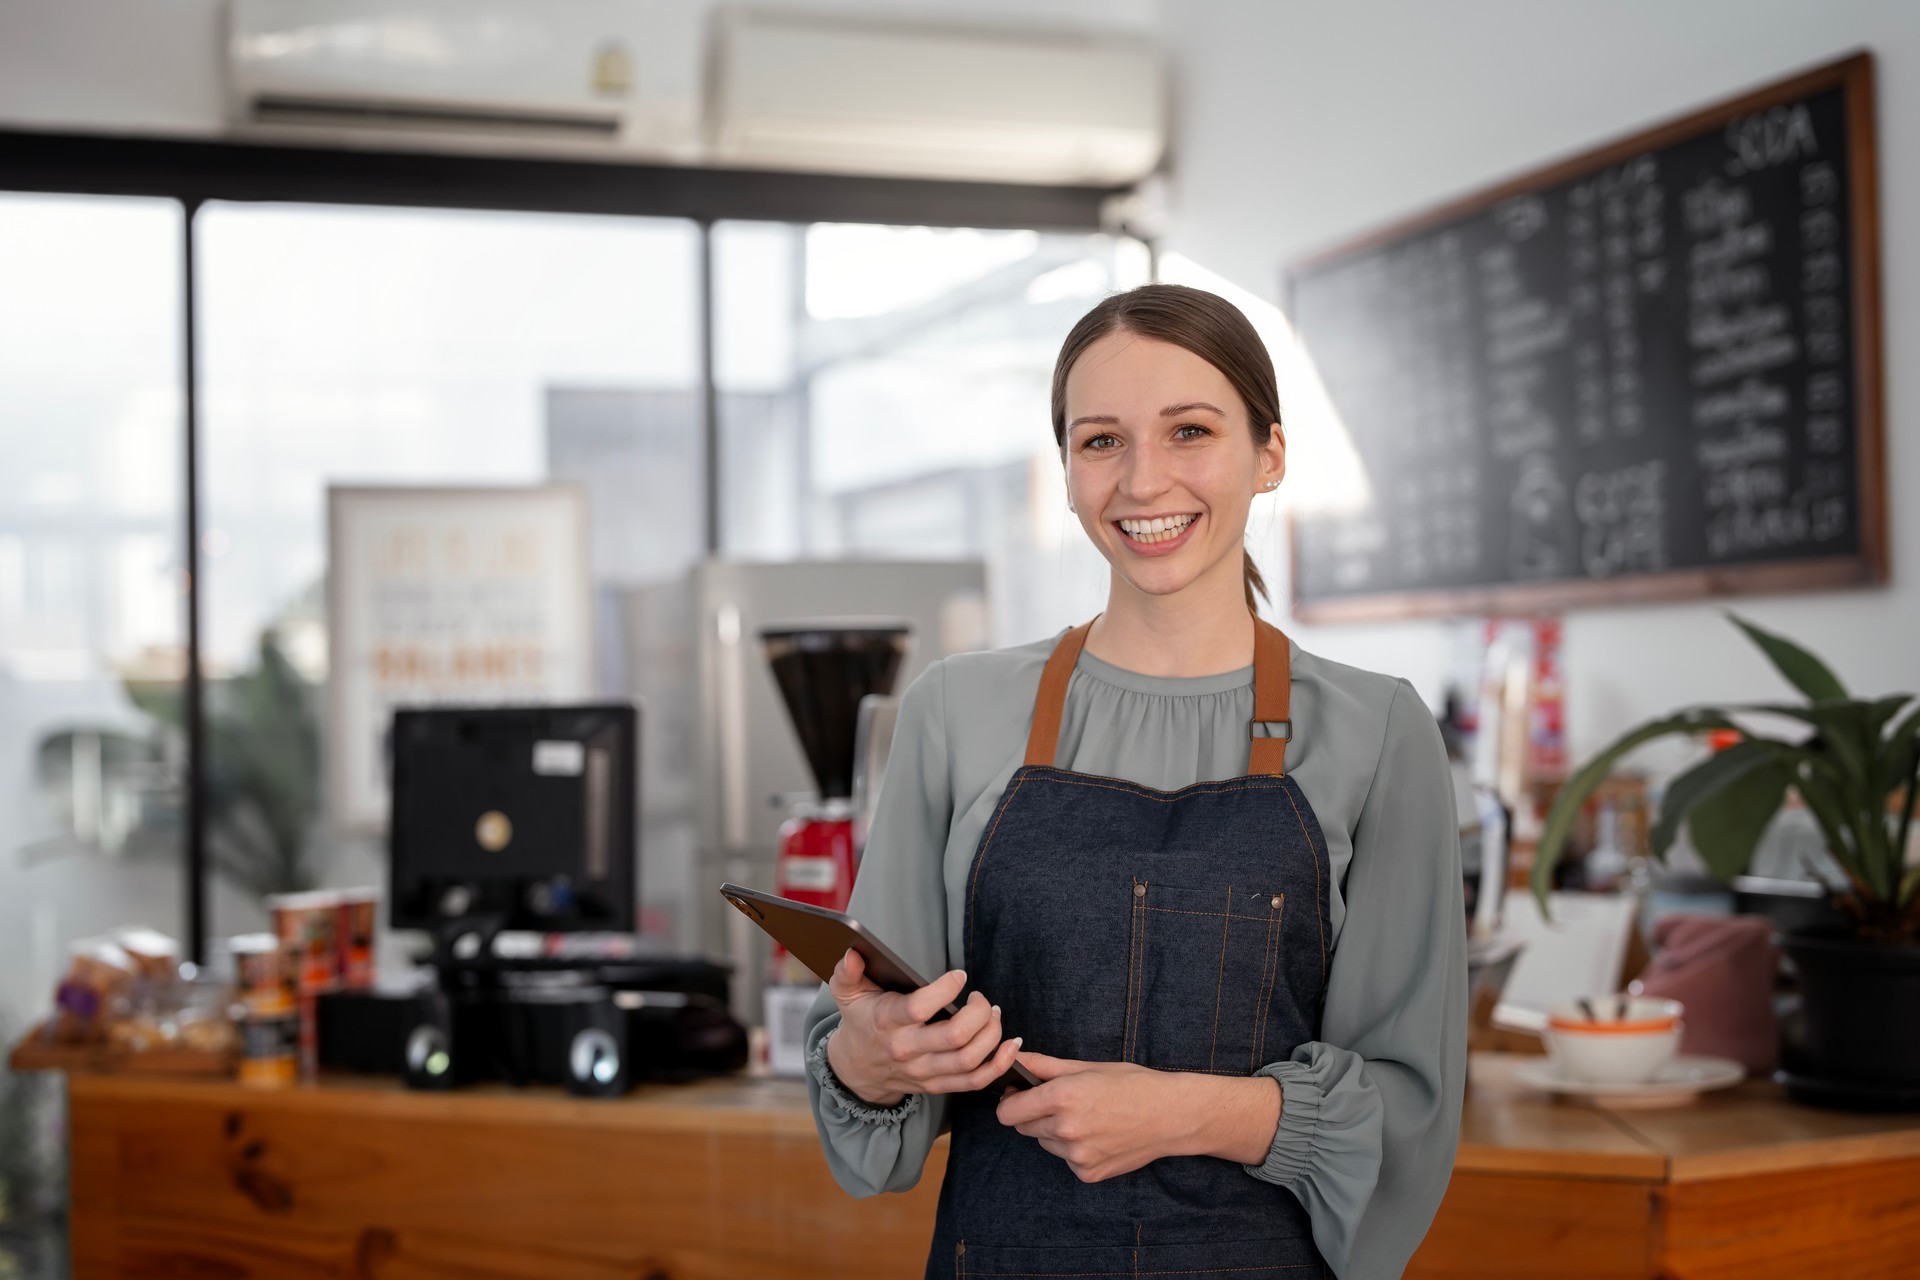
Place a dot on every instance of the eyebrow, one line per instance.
(1108, 420)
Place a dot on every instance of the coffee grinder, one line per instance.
(823, 672)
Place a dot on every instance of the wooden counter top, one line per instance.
(1751, 1128)
(724, 1178)
(1506, 1128)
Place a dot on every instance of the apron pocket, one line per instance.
(1201, 965)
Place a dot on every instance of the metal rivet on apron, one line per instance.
(1276, 902)
(1139, 891)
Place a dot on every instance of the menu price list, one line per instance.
(1639, 370)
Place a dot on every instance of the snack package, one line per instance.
(99, 971)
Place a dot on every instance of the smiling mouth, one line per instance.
(1152, 532)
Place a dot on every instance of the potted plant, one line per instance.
(1855, 763)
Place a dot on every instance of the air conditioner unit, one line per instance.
(809, 92)
(619, 78)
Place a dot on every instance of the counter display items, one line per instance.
(520, 819)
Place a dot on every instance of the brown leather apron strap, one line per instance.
(1050, 704)
(1272, 698)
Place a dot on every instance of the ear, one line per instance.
(1273, 457)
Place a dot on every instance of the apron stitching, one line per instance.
(1270, 961)
(1266, 1008)
(1170, 797)
(1220, 979)
(1141, 996)
(1320, 891)
(1184, 911)
(1133, 952)
(980, 863)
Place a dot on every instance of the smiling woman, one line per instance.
(1211, 880)
(1182, 339)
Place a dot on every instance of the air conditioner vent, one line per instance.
(401, 115)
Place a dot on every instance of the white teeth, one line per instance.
(1162, 529)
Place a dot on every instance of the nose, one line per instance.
(1148, 473)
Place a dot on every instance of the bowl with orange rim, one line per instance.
(1614, 1039)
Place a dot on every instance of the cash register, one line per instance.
(512, 846)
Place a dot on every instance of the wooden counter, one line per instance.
(724, 1179)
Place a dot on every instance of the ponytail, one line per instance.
(1255, 583)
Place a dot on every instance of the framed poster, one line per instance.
(446, 597)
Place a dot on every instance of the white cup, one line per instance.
(1618, 1045)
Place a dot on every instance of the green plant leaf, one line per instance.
(1902, 747)
(1806, 673)
(1702, 782)
(1588, 777)
(1884, 710)
(1727, 823)
(1842, 724)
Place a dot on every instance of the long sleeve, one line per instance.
(1370, 1114)
(901, 896)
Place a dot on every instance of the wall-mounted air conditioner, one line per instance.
(620, 78)
(793, 90)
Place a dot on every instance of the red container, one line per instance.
(816, 862)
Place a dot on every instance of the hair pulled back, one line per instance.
(1203, 323)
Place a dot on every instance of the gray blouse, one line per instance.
(1371, 1113)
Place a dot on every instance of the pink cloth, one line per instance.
(1722, 969)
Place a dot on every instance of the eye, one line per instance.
(1093, 442)
(1191, 426)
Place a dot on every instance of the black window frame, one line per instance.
(193, 171)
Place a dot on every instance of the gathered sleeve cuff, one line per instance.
(1327, 1148)
(840, 1105)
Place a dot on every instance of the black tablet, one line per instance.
(819, 937)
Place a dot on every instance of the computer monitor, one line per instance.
(522, 817)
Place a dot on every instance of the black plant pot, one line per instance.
(1862, 1008)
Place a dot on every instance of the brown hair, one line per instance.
(1205, 324)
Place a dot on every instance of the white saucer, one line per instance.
(1675, 1084)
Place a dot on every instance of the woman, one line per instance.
(1238, 953)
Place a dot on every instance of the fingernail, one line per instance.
(962, 974)
(996, 1011)
(1018, 1041)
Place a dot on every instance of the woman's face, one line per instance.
(1161, 463)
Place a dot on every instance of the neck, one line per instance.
(1203, 629)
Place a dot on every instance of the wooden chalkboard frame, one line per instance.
(1854, 75)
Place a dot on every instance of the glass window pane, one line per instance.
(351, 345)
(913, 416)
(92, 618)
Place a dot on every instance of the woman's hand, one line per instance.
(885, 1049)
(1109, 1118)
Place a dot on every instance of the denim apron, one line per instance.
(1181, 930)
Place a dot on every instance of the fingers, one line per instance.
(935, 996)
(952, 1033)
(849, 979)
(981, 1076)
(1024, 1106)
(1047, 1068)
(948, 1048)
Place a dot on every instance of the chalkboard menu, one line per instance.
(1652, 371)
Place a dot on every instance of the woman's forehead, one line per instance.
(1127, 373)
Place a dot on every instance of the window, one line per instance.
(92, 624)
(884, 392)
(364, 346)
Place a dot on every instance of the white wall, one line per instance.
(157, 66)
(1303, 123)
